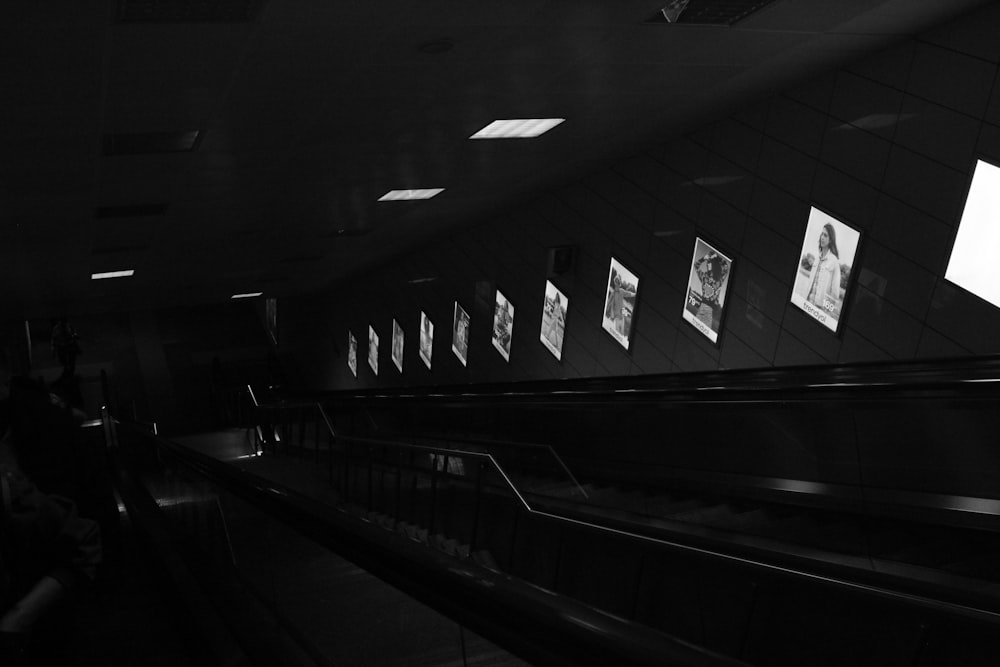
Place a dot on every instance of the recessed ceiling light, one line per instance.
(248, 295)
(112, 274)
(405, 195)
(517, 128)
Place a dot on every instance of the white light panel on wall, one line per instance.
(406, 195)
(112, 274)
(517, 128)
(973, 264)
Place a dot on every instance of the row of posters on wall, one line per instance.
(819, 289)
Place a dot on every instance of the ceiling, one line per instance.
(310, 110)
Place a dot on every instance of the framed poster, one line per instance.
(352, 353)
(824, 270)
(619, 304)
(397, 345)
(271, 317)
(373, 349)
(503, 325)
(708, 283)
(460, 334)
(426, 339)
(554, 310)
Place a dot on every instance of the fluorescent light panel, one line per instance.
(973, 259)
(405, 195)
(517, 128)
(247, 295)
(112, 274)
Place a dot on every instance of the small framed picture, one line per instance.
(708, 284)
(373, 349)
(352, 353)
(503, 325)
(620, 302)
(397, 345)
(824, 270)
(426, 339)
(554, 310)
(460, 334)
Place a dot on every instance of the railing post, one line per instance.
(473, 538)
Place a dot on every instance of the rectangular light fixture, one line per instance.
(517, 128)
(406, 195)
(247, 295)
(112, 274)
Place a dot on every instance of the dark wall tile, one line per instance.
(624, 196)
(693, 352)
(751, 326)
(796, 125)
(786, 167)
(793, 352)
(925, 184)
(738, 142)
(861, 154)
(723, 223)
(885, 325)
(965, 318)
(993, 110)
(900, 281)
(938, 132)
(856, 348)
(643, 171)
(890, 67)
(864, 104)
(951, 79)
(845, 198)
(681, 195)
(760, 289)
(811, 333)
(913, 234)
(771, 251)
(779, 210)
(933, 346)
(737, 354)
(974, 34)
(816, 93)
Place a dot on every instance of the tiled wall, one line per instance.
(887, 145)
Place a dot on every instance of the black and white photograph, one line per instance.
(352, 353)
(426, 339)
(373, 349)
(708, 284)
(397, 345)
(271, 317)
(460, 334)
(554, 319)
(824, 268)
(619, 305)
(503, 325)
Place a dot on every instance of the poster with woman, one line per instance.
(373, 349)
(503, 325)
(426, 339)
(708, 283)
(554, 319)
(397, 345)
(460, 334)
(352, 353)
(824, 269)
(619, 305)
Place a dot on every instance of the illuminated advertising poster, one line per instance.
(554, 319)
(708, 283)
(271, 317)
(973, 263)
(503, 325)
(824, 268)
(352, 353)
(426, 339)
(373, 349)
(619, 305)
(460, 334)
(397, 345)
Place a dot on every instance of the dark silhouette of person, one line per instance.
(65, 346)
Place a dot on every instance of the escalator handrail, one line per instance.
(552, 629)
(964, 376)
